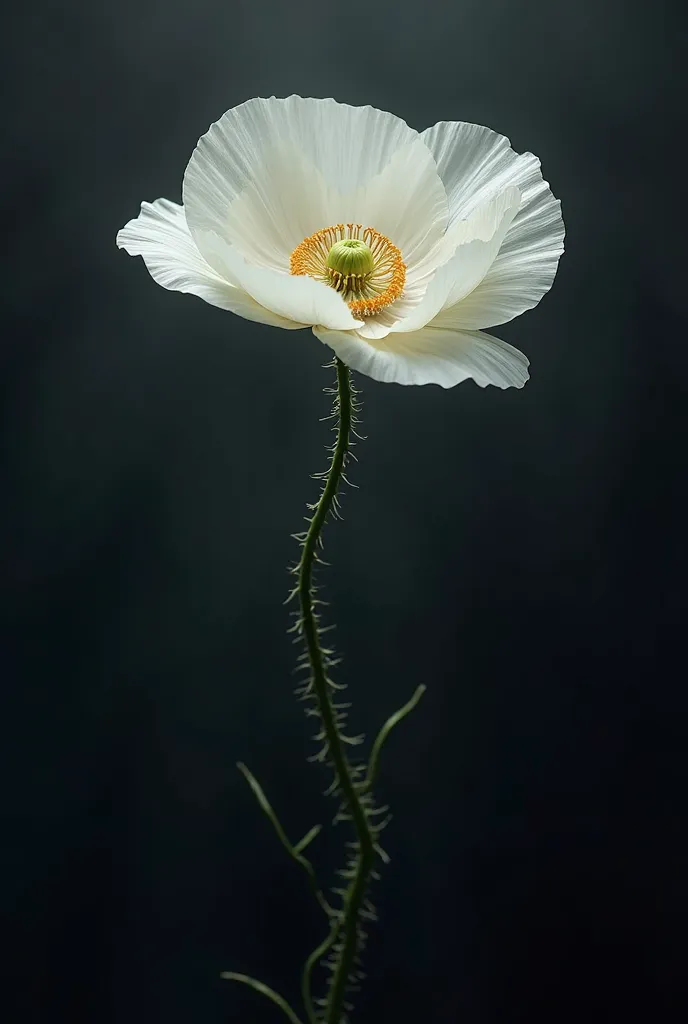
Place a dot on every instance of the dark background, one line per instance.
(523, 553)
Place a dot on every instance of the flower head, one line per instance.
(396, 248)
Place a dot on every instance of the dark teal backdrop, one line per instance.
(523, 554)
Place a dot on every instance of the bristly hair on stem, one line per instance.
(340, 950)
(348, 940)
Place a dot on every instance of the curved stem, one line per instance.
(351, 791)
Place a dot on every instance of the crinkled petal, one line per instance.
(340, 146)
(474, 164)
(287, 200)
(479, 237)
(432, 356)
(381, 324)
(161, 235)
(524, 269)
(297, 298)
(406, 202)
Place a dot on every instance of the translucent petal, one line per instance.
(432, 356)
(524, 269)
(161, 235)
(296, 156)
(290, 200)
(406, 202)
(297, 298)
(286, 202)
(479, 239)
(474, 164)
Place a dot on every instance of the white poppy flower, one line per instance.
(396, 247)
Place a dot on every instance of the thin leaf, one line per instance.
(265, 991)
(293, 851)
(384, 733)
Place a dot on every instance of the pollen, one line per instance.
(357, 261)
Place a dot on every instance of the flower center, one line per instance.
(357, 261)
(349, 263)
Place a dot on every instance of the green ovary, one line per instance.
(349, 264)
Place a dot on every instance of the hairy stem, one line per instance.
(353, 782)
(350, 788)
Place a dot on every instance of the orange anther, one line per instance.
(378, 289)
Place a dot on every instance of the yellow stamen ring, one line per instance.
(365, 294)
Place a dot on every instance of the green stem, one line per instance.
(351, 791)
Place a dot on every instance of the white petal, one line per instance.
(161, 235)
(381, 324)
(287, 200)
(524, 268)
(406, 202)
(297, 298)
(343, 146)
(378, 326)
(432, 356)
(474, 163)
(480, 237)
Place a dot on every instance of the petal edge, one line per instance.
(432, 356)
(161, 236)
